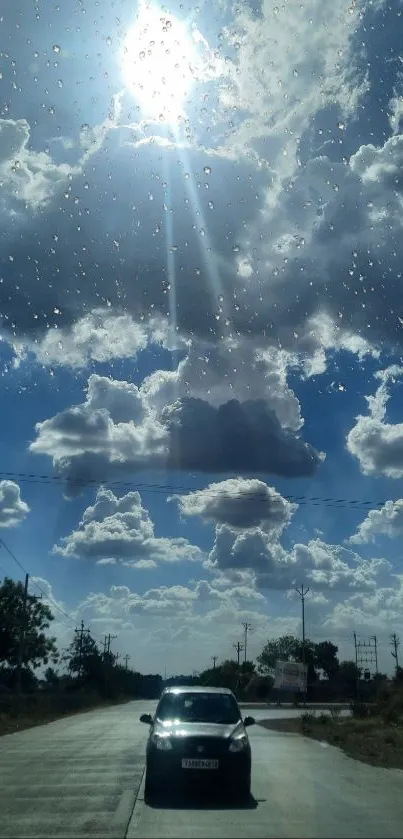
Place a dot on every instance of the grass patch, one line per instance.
(371, 739)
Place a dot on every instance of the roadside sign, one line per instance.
(290, 675)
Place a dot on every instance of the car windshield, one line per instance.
(199, 707)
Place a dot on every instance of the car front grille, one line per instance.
(202, 746)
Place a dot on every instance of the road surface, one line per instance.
(83, 777)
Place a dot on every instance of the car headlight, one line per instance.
(238, 744)
(162, 743)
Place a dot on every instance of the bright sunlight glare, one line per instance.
(158, 64)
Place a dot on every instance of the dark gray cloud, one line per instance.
(158, 199)
(117, 429)
(235, 437)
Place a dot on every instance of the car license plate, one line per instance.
(193, 763)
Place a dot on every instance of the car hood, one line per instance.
(198, 729)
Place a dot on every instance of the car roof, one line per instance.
(195, 689)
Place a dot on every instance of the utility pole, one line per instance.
(107, 657)
(302, 593)
(107, 643)
(246, 628)
(80, 633)
(395, 643)
(238, 647)
(373, 637)
(126, 658)
(214, 659)
(21, 640)
(356, 665)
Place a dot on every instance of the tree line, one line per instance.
(328, 677)
(28, 648)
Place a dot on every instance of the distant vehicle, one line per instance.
(198, 734)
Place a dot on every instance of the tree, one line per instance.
(284, 648)
(51, 678)
(326, 658)
(84, 660)
(346, 678)
(30, 615)
(229, 674)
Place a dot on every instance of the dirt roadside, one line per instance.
(370, 740)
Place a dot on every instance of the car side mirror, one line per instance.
(249, 721)
(147, 718)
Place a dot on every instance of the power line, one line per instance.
(159, 488)
(51, 600)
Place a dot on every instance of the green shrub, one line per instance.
(308, 719)
(392, 711)
(359, 710)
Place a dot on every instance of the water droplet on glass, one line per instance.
(207, 170)
(236, 249)
(56, 48)
(211, 205)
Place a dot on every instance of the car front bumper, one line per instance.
(166, 768)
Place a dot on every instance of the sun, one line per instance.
(159, 60)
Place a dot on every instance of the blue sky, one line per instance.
(201, 318)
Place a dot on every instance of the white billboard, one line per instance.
(290, 675)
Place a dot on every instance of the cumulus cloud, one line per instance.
(99, 336)
(266, 253)
(121, 427)
(239, 503)
(367, 612)
(387, 521)
(13, 510)
(120, 529)
(376, 443)
(326, 567)
(27, 176)
(307, 54)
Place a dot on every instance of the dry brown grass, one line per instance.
(370, 740)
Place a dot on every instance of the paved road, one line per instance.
(77, 777)
(83, 777)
